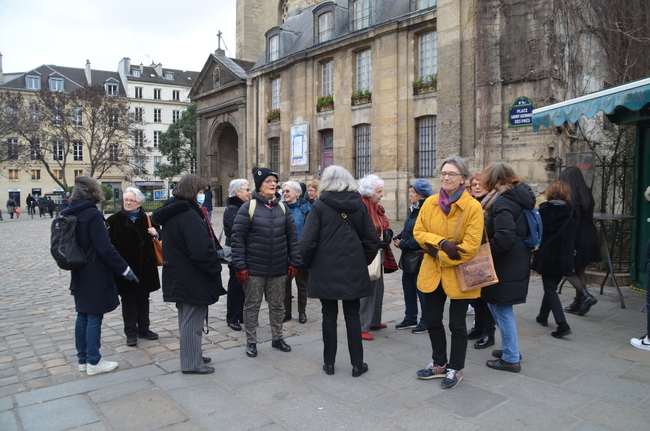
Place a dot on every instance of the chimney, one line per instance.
(89, 79)
(158, 69)
(127, 65)
(141, 67)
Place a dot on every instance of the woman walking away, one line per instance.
(506, 223)
(643, 343)
(554, 259)
(587, 245)
(338, 243)
(450, 226)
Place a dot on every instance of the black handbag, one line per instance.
(410, 261)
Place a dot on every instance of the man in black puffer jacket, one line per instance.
(264, 253)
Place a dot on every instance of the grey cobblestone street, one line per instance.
(590, 380)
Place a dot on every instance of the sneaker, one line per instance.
(642, 343)
(101, 367)
(406, 325)
(470, 310)
(420, 329)
(432, 371)
(82, 367)
(367, 336)
(452, 379)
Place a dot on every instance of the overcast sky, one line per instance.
(180, 34)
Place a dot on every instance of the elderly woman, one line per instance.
(191, 270)
(93, 285)
(131, 235)
(371, 188)
(312, 190)
(238, 192)
(450, 227)
(506, 224)
(299, 208)
(339, 235)
(419, 191)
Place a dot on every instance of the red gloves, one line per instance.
(242, 276)
(292, 271)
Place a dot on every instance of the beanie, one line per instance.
(260, 174)
(422, 187)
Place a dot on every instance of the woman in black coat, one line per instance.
(93, 285)
(337, 252)
(554, 259)
(132, 237)
(506, 225)
(191, 268)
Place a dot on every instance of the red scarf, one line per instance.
(380, 221)
(206, 218)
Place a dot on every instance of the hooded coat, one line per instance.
(511, 256)
(557, 251)
(93, 285)
(191, 267)
(336, 254)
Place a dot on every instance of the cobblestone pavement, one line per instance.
(590, 380)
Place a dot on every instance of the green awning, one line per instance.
(632, 96)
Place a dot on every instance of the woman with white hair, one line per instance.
(132, 234)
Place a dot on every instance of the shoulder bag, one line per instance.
(410, 261)
(157, 246)
(479, 271)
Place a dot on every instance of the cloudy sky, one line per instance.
(180, 34)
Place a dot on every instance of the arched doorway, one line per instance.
(223, 166)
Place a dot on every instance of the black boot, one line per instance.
(586, 301)
(574, 306)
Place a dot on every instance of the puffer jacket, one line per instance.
(432, 226)
(266, 243)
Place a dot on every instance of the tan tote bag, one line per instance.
(479, 271)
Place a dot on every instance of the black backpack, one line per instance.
(63, 243)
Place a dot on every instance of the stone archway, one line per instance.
(223, 161)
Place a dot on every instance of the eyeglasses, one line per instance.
(451, 175)
(286, 191)
(270, 181)
(129, 201)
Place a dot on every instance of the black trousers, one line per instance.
(484, 320)
(135, 312)
(330, 310)
(435, 306)
(302, 276)
(551, 300)
(235, 299)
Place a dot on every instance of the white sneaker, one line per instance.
(82, 367)
(101, 367)
(642, 343)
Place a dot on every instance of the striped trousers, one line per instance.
(190, 326)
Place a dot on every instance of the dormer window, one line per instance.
(56, 84)
(112, 89)
(361, 17)
(274, 48)
(136, 73)
(424, 4)
(33, 82)
(325, 27)
(169, 76)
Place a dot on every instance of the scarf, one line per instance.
(206, 218)
(380, 221)
(488, 200)
(133, 215)
(444, 201)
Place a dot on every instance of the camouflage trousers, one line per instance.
(254, 290)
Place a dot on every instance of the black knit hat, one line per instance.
(260, 174)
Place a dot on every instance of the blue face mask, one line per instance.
(200, 198)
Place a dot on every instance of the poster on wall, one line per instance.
(300, 147)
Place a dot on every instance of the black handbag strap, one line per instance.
(345, 217)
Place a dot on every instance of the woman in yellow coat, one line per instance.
(435, 231)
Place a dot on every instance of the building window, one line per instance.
(274, 48)
(176, 114)
(33, 82)
(364, 69)
(138, 92)
(57, 151)
(361, 14)
(138, 138)
(138, 114)
(56, 84)
(136, 73)
(77, 151)
(13, 174)
(78, 173)
(35, 150)
(275, 93)
(156, 138)
(36, 174)
(428, 54)
(77, 116)
(424, 4)
(325, 22)
(57, 116)
(176, 95)
(426, 146)
(113, 120)
(327, 79)
(156, 93)
(12, 149)
(169, 76)
(113, 152)
(58, 174)
(112, 89)
(362, 144)
(193, 167)
(157, 115)
(157, 160)
(35, 111)
(274, 154)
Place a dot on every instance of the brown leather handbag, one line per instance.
(157, 246)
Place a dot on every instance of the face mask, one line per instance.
(200, 198)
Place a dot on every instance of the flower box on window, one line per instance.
(361, 97)
(273, 116)
(325, 103)
(426, 85)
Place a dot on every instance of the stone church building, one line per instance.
(389, 87)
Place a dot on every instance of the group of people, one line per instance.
(45, 205)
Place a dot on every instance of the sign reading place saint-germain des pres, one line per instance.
(521, 113)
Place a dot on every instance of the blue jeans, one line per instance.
(505, 318)
(88, 334)
(411, 296)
